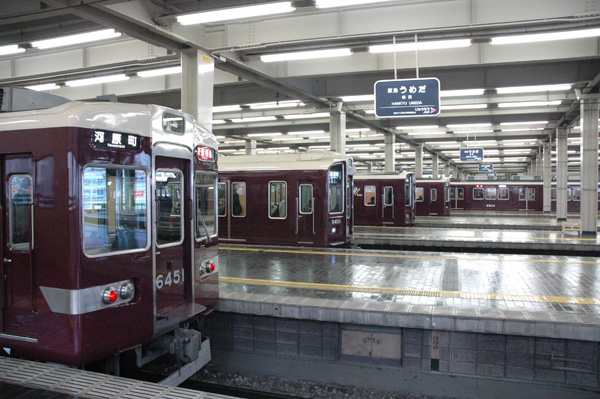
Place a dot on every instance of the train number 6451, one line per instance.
(168, 280)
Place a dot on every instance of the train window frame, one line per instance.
(478, 190)
(302, 197)
(460, 193)
(342, 189)
(576, 194)
(388, 196)
(146, 214)
(452, 193)
(167, 127)
(433, 195)
(488, 193)
(200, 231)
(20, 246)
(241, 198)
(271, 204)
(503, 190)
(529, 191)
(419, 194)
(553, 194)
(182, 189)
(373, 197)
(223, 198)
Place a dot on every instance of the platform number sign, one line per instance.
(401, 98)
(486, 167)
(471, 154)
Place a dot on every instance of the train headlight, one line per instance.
(127, 291)
(110, 295)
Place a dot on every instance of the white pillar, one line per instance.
(447, 169)
(197, 81)
(589, 166)
(390, 162)
(547, 175)
(419, 161)
(435, 166)
(337, 126)
(561, 174)
(455, 172)
(250, 147)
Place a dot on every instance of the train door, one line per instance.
(387, 212)
(18, 300)
(172, 236)
(526, 198)
(306, 215)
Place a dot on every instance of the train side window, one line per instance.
(222, 188)
(169, 186)
(206, 222)
(478, 193)
(388, 196)
(306, 199)
(115, 210)
(503, 193)
(553, 194)
(370, 195)
(21, 196)
(277, 200)
(521, 193)
(530, 194)
(336, 188)
(433, 195)
(452, 193)
(576, 193)
(408, 192)
(461, 193)
(490, 193)
(238, 199)
(419, 194)
(569, 193)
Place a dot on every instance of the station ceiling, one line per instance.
(523, 91)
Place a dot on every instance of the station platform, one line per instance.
(25, 379)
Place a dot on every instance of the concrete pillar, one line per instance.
(250, 147)
(589, 166)
(337, 127)
(547, 175)
(561, 174)
(390, 161)
(369, 167)
(434, 166)
(447, 169)
(419, 161)
(197, 81)
(455, 172)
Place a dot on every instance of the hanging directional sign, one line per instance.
(471, 154)
(403, 98)
(486, 167)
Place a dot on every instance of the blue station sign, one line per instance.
(474, 154)
(403, 98)
(486, 167)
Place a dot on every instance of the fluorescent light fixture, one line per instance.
(462, 106)
(76, 39)
(263, 134)
(358, 130)
(533, 89)
(522, 129)
(370, 111)
(545, 37)
(433, 45)
(226, 108)
(254, 119)
(44, 87)
(98, 80)
(356, 99)
(229, 14)
(307, 133)
(529, 104)
(425, 133)
(523, 123)
(344, 3)
(159, 72)
(307, 116)
(306, 55)
(288, 139)
(218, 121)
(460, 93)
(12, 49)
(468, 125)
(473, 131)
(276, 104)
(220, 137)
(428, 127)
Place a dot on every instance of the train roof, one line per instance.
(387, 176)
(141, 119)
(432, 180)
(497, 183)
(317, 160)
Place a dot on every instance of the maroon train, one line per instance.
(384, 199)
(108, 232)
(287, 199)
(432, 197)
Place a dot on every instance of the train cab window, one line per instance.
(370, 195)
(419, 194)
(576, 193)
(553, 194)
(238, 199)
(478, 193)
(452, 193)
(169, 189)
(115, 210)
(306, 199)
(173, 123)
(222, 194)
(503, 193)
(206, 222)
(433, 195)
(460, 193)
(336, 189)
(21, 196)
(388, 196)
(277, 200)
(490, 193)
